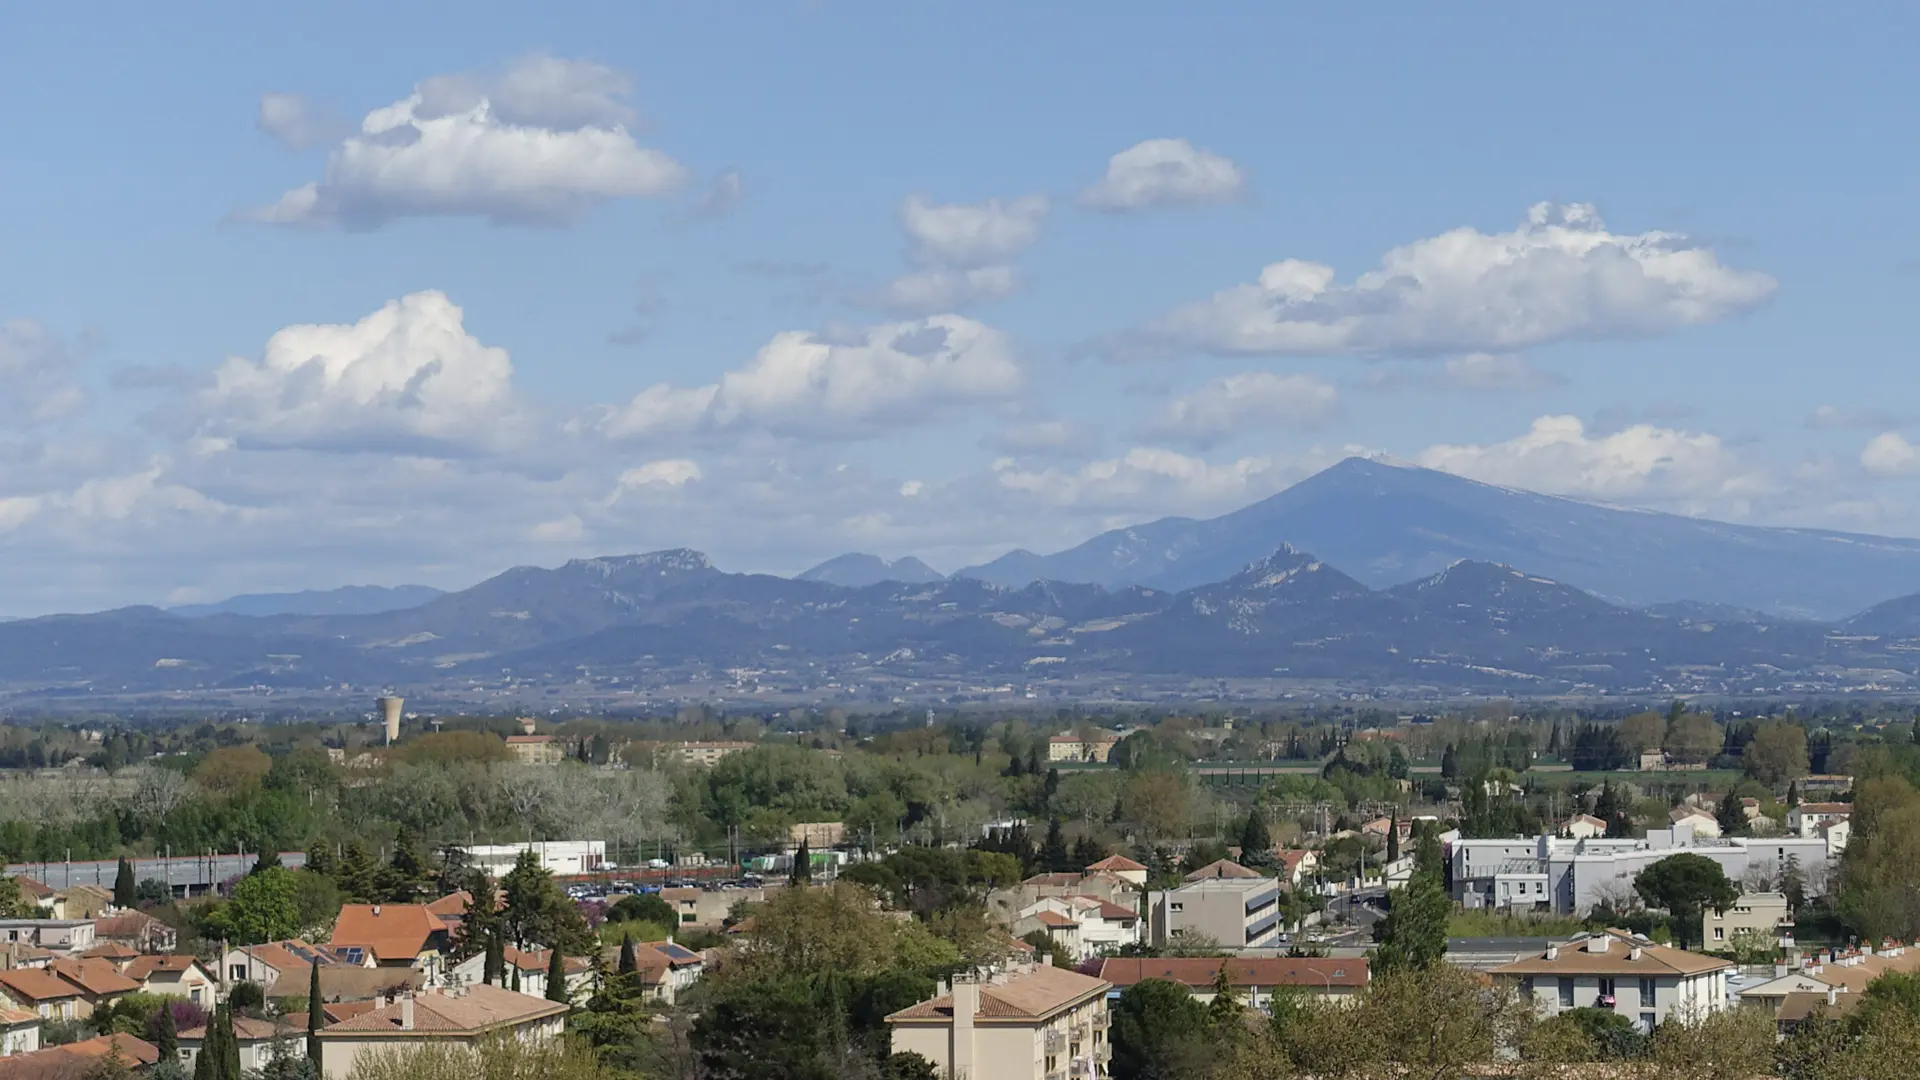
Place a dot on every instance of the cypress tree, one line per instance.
(316, 1008)
(802, 872)
(166, 1034)
(1393, 840)
(557, 978)
(229, 1048)
(494, 966)
(516, 978)
(123, 887)
(629, 963)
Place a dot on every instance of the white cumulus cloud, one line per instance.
(1251, 399)
(1559, 275)
(945, 289)
(1165, 172)
(1496, 371)
(971, 234)
(39, 375)
(297, 122)
(1643, 462)
(802, 384)
(408, 378)
(1890, 454)
(537, 144)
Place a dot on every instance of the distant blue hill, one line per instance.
(1386, 524)
(348, 600)
(857, 569)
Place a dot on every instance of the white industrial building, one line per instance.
(1568, 876)
(558, 856)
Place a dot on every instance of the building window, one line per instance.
(1176, 906)
(1719, 933)
(1566, 993)
(1647, 987)
(1647, 1021)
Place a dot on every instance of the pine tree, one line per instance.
(1223, 1012)
(1055, 857)
(316, 1009)
(802, 871)
(1256, 841)
(123, 885)
(557, 978)
(1731, 816)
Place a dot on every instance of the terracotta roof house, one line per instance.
(83, 901)
(1222, 868)
(34, 892)
(463, 1016)
(1121, 867)
(273, 961)
(76, 1059)
(1254, 978)
(113, 952)
(19, 1032)
(256, 1038)
(174, 976)
(1624, 973)
(136, 930)
(394, 935)
(1025, 1022)
(532, 966)
(99, 981)
(452, 905)
(44, 993)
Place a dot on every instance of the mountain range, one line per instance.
(1441, 585)
(1387, 524)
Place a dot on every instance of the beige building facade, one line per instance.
(1026, 1023)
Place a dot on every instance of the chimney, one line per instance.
(1598, 943)
(1634, 953)
(1553, 952)
(406, 1012)
(376, 911)
(966, 1003)
(1833, 995)
(1779, 971)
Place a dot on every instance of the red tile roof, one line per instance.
(1198, 973)
(76, 1059)
(1029, 996)
(96, 977)
(1054, 919)
(144, 967)
(388, 931)
(1117, 864)
(1825, 808)
(32, 984)
(473, 1009)
(1222, 868)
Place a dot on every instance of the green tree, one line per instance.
(265, 907)
(1685, 885)
(537, 912)
(1055, 857)
(761, 1031)
(643, 907)
(1159, 1032)
(801, 872)
(357, 874)
(165, 1033)
(1778, 752)
(1449, 763)
(407, 874)
(1413, 936)
(1256, 840)
(316, 1014)
(123, 884)
(1731, 815)
(13, 903)
(629, 962)
(557, 977)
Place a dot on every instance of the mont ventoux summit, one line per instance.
(1368, 573)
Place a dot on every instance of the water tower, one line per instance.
(390, 713)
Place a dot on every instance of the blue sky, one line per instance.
(785, 280)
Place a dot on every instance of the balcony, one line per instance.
(1055, 1041)
(1099, 1021)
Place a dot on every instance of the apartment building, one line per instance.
(1622, 973)
(1764, 912)
(1806, 819)
(536, 749)
(1095, 746)
(1042, 1023)
(1235, 911)
(1568, 876)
